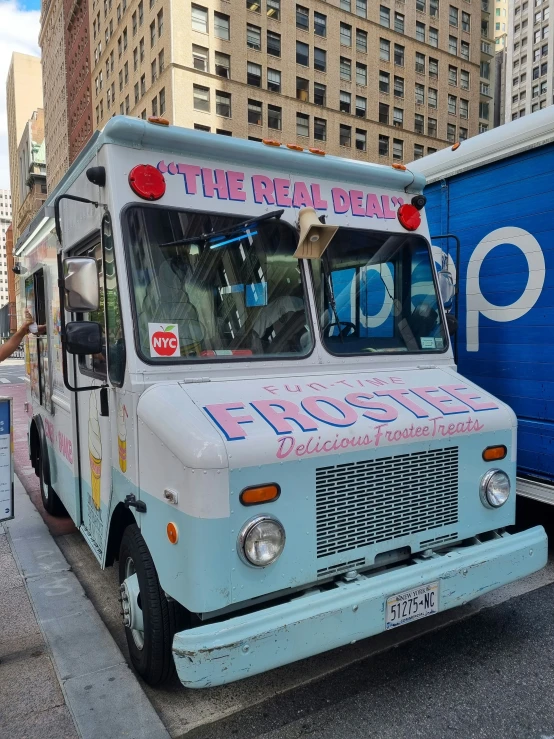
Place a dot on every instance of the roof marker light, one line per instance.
(397, 165)
(147, 182)
(319, 152)
(271, 142)
(409, 217)
(295, 147)
(456, 146)
(158, 120)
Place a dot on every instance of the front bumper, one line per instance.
(242, 646)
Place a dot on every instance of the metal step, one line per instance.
(541, 491)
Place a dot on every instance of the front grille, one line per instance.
(363, 503)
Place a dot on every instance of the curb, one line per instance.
(102, 693)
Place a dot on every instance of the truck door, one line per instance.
(94, 425)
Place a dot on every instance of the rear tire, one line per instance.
(50, 500)
(150, 650)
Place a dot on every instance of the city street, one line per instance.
(482, 670)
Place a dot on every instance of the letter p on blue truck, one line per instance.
(495, 192)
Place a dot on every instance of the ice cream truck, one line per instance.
(246, 399)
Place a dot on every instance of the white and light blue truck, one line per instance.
(495, 193)
(246, 396)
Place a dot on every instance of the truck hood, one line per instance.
(245, 423)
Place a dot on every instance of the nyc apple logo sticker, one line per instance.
(164, 340)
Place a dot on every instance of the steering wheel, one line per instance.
(348, 330)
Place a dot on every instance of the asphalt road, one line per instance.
(12, 372)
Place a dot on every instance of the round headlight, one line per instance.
(261, 541)
(494, 488)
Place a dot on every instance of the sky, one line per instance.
(19, 28)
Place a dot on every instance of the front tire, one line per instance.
(150, 648)
(52, 504)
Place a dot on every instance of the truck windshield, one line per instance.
(375, 293)
(233, 297)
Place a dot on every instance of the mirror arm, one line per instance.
(63, 337)
(456, 294)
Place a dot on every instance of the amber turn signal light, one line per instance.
(260, 494)
(493, 453)
(158, 120)
(172, 532)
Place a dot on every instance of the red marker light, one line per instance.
(409, 217)
(147, 182)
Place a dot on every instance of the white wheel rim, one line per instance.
(134, 600)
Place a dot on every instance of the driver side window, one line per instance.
(95, 364)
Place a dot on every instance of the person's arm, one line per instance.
(7, 349)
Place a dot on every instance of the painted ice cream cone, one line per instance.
(122, 437)
(95, 450)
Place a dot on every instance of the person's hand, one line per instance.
(28, 321)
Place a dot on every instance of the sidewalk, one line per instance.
(61, 674)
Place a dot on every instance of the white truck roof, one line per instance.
(512, 138)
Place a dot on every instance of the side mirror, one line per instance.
(81, 284)
(451, 323)
(83, 337)
(446, 287)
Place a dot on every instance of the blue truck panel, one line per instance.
(506, 288)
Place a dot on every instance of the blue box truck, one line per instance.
(495, 193)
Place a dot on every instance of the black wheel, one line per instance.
(52, 504)
(150, 619)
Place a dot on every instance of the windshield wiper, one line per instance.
(227, 231)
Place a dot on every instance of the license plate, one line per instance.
(412, 605)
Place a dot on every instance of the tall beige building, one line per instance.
(23, 97)
(501, 30)
(380, 81)
(56, 136)
(5, 220)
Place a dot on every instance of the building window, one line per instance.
(320, 59)
(161, 61)
(223, 103)
(420, 63)
(453, 44)
(141, 50)
(254, 112)
(361, 41)
(274, 80)
(200, 58)
(384, 113)
(420, 31)
(399, 22)
(397, 149)
(155, 105)
(384, 16)
(420, 94)
(361, 8)
(253, 5)
(361, 139)
(383, 146)
(302, 53)
(137, 94)
(222, 65)
(302, 89)
(450, 132)
(199, 19)
(419, 123)
(398, 117)
(433, 67)
(462, 136)
(464, 79)
(320, 24)
(222, 26)
(432, 97)
(152, 34)
(274, 117)
(433, 37)
(253, 37)
(320, 94)
(160, 23)
(223, 132)
(302, 18)
(345, 104)
(464, 108)
(399, 55)
(345, 34)
(135, 58)
(201, 97)
(302, 124)
(320, 129)
(432, 127)
(399, 87)
(253, 74)
(384, 82)
(361, 74)
(274, 9)
(273, 44)
(464, 50)
(154, 70)
(452, 75)
(420, 6)
(452, 104)
(345, 5)
(127, 105)
(419, 151)
(345, 69)
(162, 101)
(466, 22)
(433, 8)
(143, 85)
(361, 106)
(453, 16)
(345, 135)
(384, 50)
